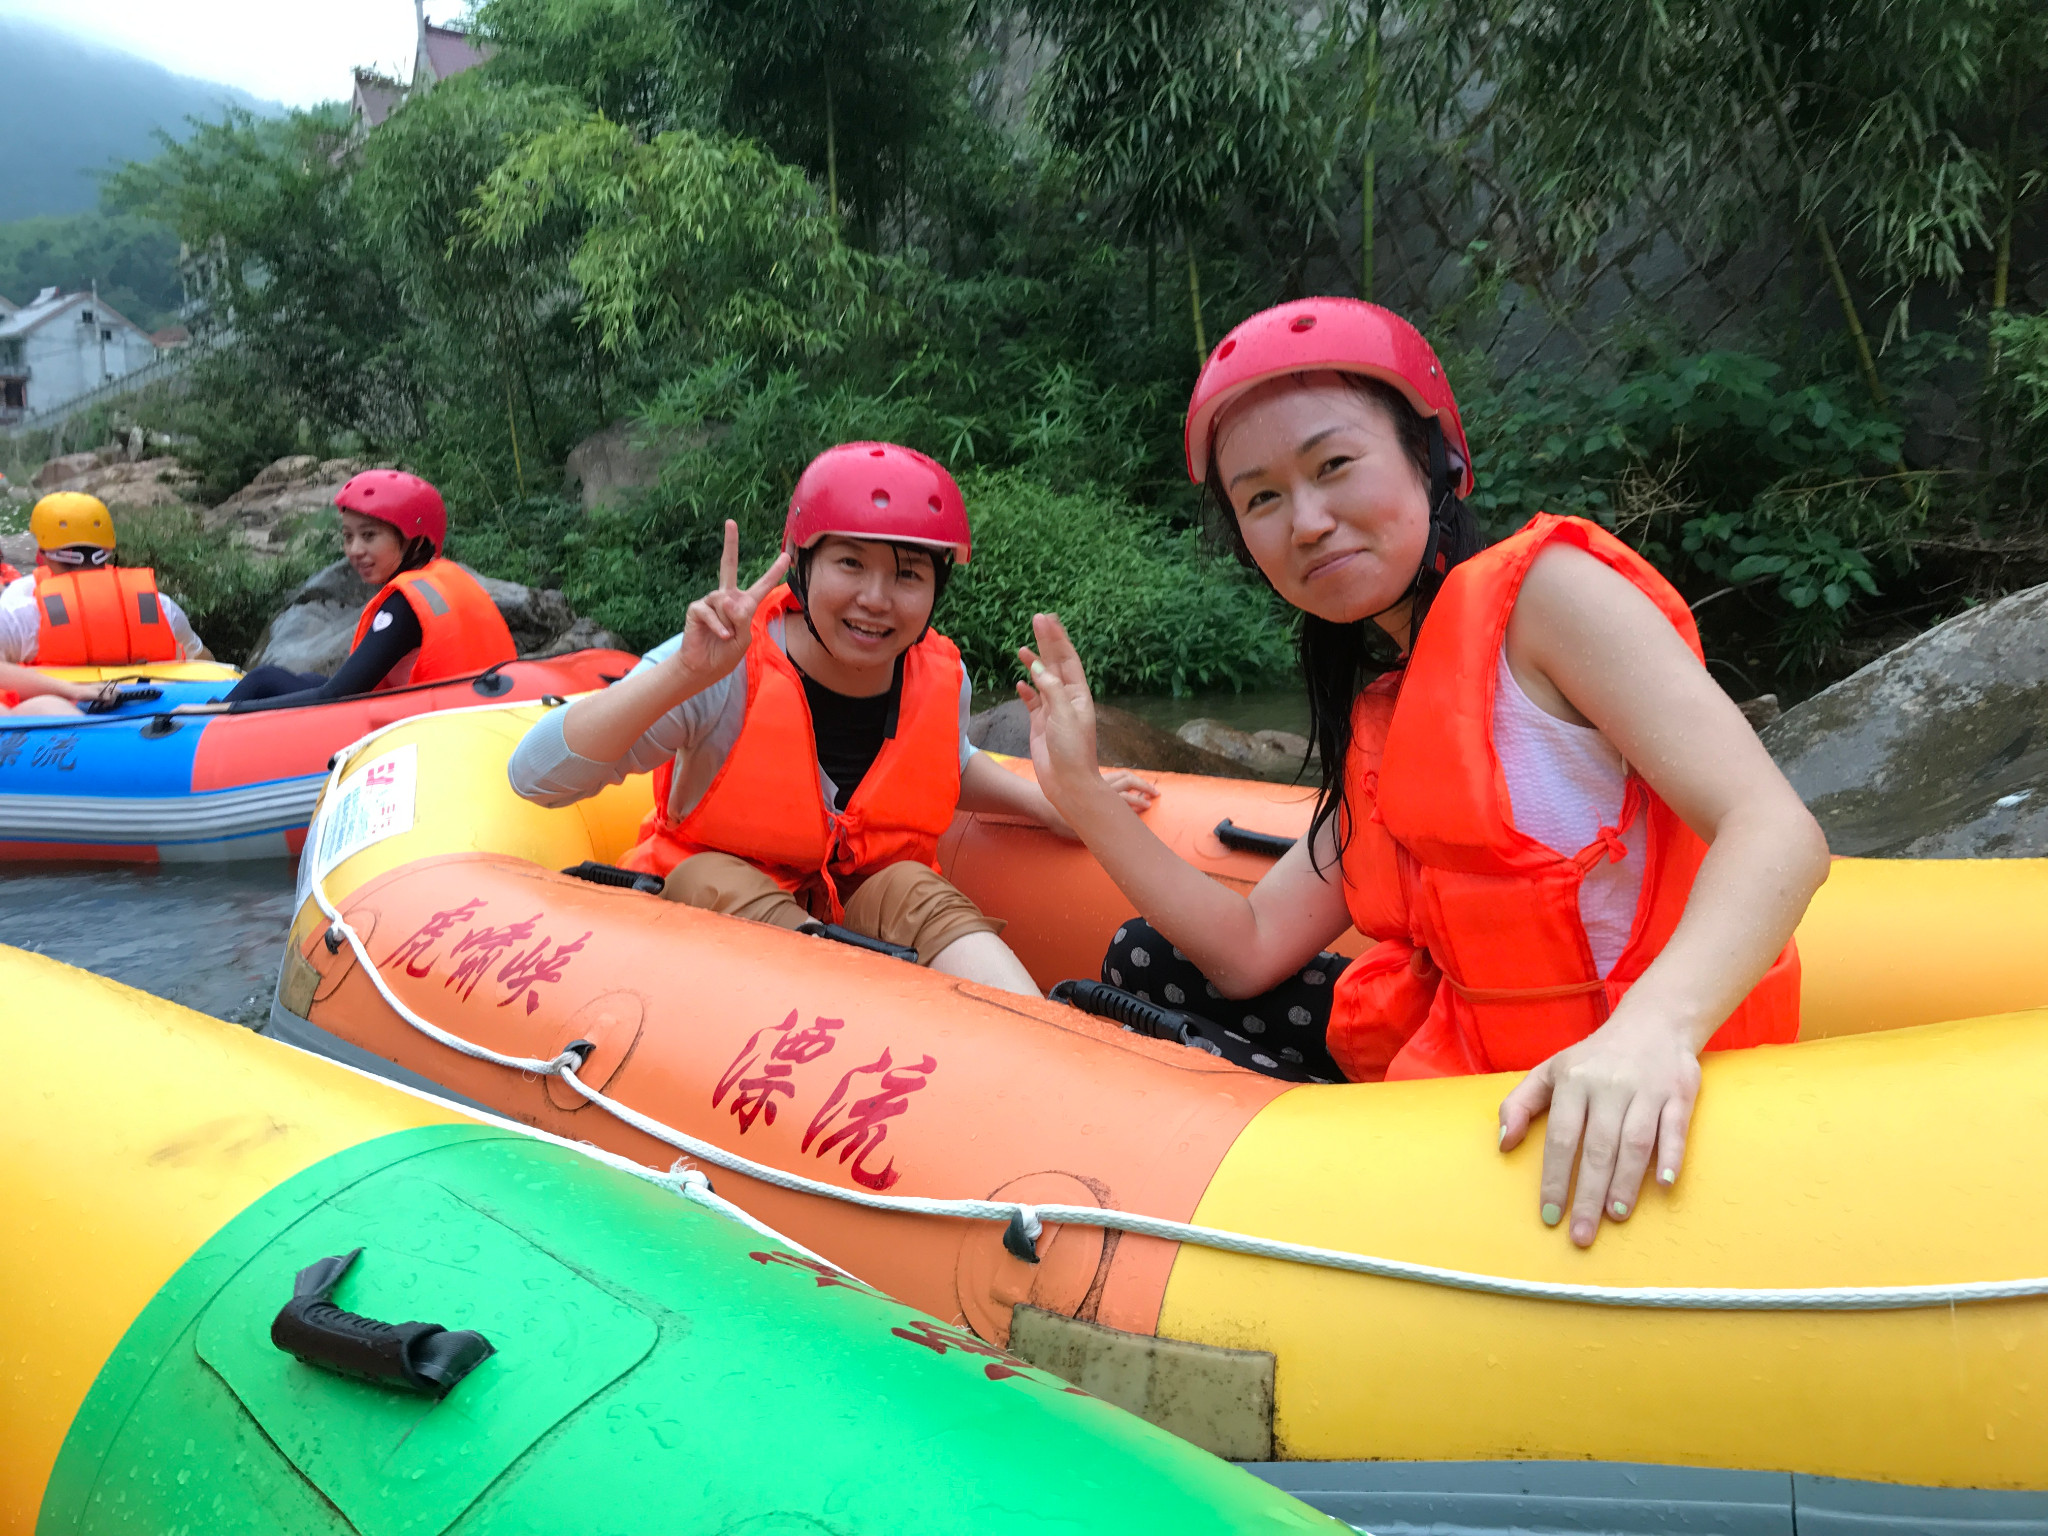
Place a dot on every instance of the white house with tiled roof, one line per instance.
(60, 345)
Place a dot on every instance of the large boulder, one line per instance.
(1122, 740)
(1269, 754)
(1938, 749)
(117, 476)
(284, 496)
(608, 467)
(313, 631)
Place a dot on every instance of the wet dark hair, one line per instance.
(419, 549)
(1340, 661)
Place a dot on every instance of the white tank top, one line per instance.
(1566, 782)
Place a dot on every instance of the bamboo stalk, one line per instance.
(831, 152)
(1822, 236)
(1366, 231)
(1195, 303)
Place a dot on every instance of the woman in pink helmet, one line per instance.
(809, 741)
(1578, 861)
(427, 620)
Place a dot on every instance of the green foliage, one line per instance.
(1147, 606)
(134, 262)
(1716, 463)
(229, 593)
(755, 229)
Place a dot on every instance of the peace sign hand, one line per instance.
(720, 624)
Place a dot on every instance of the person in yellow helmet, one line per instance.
(78, 608)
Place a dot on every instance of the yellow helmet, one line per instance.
(71, 517)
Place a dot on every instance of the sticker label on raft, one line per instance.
(373, 803)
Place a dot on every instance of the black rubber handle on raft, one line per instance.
(416, 1357)
(840, 935)
(105, 702)
(493, 684)
(1244, 840)
(1135, 1014)
(611, 874)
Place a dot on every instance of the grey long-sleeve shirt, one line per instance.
(697, 734)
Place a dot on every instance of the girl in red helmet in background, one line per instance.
(429, 620)
(1578, 860)
(809, 741)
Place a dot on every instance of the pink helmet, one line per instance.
(404, 501)
(1309, 335)
(877, 491)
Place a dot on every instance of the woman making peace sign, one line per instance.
(806, 771)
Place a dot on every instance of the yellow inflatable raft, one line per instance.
(1909, 1151)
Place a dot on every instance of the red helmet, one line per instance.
(404, 501)
(1308, 335)
(877, 491)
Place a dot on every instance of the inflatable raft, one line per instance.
(141, 784)
(185, 1220)
(1748, 1319)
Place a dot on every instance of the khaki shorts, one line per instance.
(905, 903)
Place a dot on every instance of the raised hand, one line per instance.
(719, 624)
(1062, 712)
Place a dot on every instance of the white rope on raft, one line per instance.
(1027, 1222)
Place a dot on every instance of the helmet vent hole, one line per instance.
(1302, 323)
(1226, 349)
(877, 453)
(881, 501)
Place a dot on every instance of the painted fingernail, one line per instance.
(1503, 1137)
(1037, 670)
(1667, 1176)
(1552, 1215)
(1619, 1210)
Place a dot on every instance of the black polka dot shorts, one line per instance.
(1280, 1032)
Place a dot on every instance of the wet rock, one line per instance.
(285, 497)
(1761, 710)
(18, 550)
(313, 631)
(1266, 753)
(1122, 740)
(1937, 750)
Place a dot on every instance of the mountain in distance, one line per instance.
(71, 109)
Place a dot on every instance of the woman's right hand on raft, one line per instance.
(719, 625)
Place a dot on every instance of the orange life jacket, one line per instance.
(105, 616)
(1484, 964)
(766, 804)
(461, 630)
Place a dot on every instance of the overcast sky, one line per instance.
(295, 51)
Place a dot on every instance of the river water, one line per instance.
(210, 935)
(205, 935)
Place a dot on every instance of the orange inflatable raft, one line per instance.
(1891, 1148)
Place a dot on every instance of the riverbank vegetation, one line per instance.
(1759, 284)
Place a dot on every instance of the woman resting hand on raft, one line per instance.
(25, 691)
(809, 741)
(1577, 858)
(430, 620)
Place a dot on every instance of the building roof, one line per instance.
(7, 308)
(446, 52)
(376, 97)
(170, 336)
(49, 304)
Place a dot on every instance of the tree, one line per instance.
(847, 89)
(1170, 107)
(639, 62)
